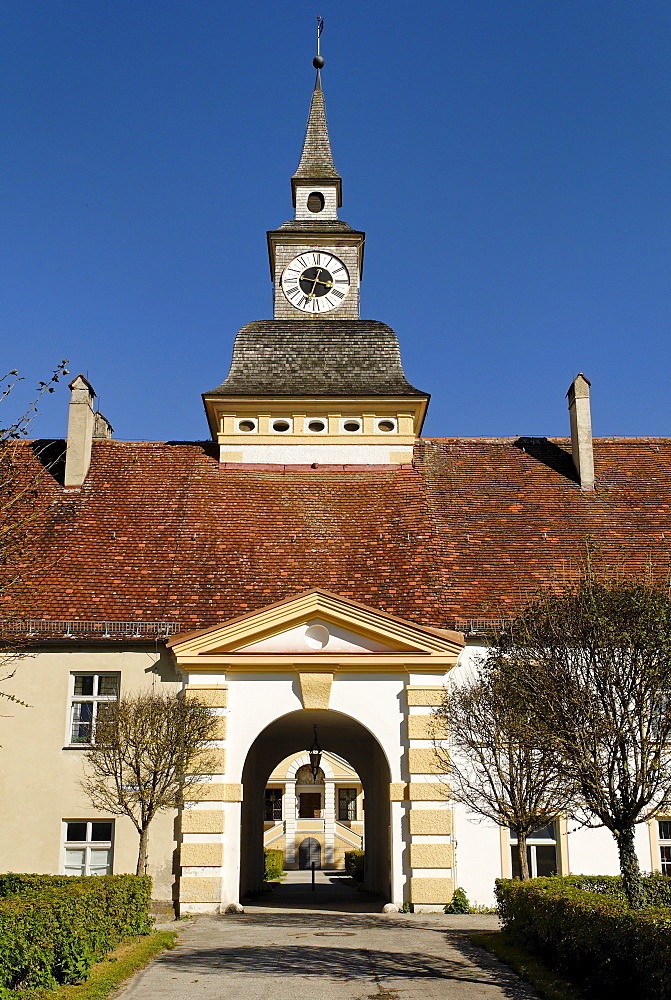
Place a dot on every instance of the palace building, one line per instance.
(315, 562)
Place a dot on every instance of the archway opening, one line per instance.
(347, 739)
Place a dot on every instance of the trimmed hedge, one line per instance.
(12, 884)
(354, 863)
(589, 936)
(274, 863)
(53, 928)
(656, 887)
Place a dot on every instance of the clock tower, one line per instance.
(316, 385)
(315, 260)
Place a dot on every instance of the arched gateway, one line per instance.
(369, 687)
(346, 737)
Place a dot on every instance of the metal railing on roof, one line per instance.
(73, 627)
(480, 626)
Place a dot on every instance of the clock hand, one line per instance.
(315, 282)
(321, 281)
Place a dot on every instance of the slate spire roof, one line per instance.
(316, 163)
(316, 358)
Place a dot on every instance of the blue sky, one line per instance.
(508, 159)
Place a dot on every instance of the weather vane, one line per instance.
(318, 60)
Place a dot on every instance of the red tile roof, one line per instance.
(160, 532)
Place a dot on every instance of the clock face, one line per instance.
(315, 281)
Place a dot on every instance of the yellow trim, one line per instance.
(315, 689)
(398, 791)
(653, 837)
(431, 855)
(223, 412)
(215, 792)
(212, 696)
(428, 791)
(220, 727)
(431, 890)
(201, 855)
(424, 697)
(373, 663)
(562, 843)
(200, 890)
(216, 757)
(202, 821)
(426, 727)
(419, 791)
(504, 848)
(430, 821)
(424, 761)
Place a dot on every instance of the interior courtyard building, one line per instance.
(316, 562)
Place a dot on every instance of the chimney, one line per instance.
(80, 431)
(581, 431)
(102, 428)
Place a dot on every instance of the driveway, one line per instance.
(303, 945)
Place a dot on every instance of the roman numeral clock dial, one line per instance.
(315, 281)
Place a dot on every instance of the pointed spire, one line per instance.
(316, 163)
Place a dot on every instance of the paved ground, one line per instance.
(295, 944)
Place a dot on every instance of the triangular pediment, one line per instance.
(317, 621)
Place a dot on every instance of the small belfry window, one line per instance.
(347, 804)
(315, 201)
(90, 694)
(664, 836)
(541, 852)
(88, 847)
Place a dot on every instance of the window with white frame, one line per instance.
(541, 852)
(88, 847)
(90, 694)
(347, 804)
(664, 837)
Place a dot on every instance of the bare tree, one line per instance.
(495, 770)
(592, 666)
(19, 486)
(150, 751)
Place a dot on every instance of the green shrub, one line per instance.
(582, 929)
(52, 928)
(274, 863)
(12, 884)
(656, 887)
(354, 864)
(459, 902)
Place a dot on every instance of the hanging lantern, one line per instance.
(315, 754)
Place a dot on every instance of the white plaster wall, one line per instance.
(255, 700)
(324, 454)
(594, 852)
(301, 640)
(478, 857)
(376, 701)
